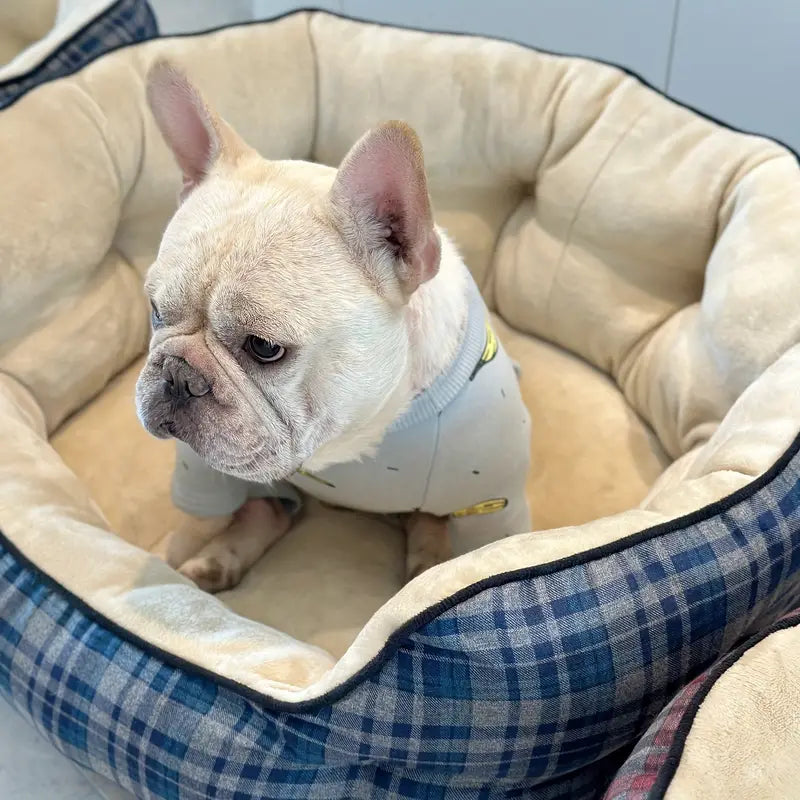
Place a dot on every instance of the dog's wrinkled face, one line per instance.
(278, 291)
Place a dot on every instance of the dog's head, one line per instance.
(279, 290)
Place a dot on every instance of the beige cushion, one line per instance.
(638, 258)
(23, 22)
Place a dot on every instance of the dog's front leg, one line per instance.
(191, 535)
(222, 562)
(427, 543)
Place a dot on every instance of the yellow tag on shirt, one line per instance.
(316, 478)
(486, 507)
(489, 350)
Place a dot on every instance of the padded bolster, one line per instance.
(23, 22)
(91, 185)
(673, 223)
(583, 191)
(479, 164)
(743, 738)
(73, 353)
(47, 509)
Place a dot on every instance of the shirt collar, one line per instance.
(449, 384)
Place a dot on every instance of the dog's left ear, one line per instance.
(381, 204)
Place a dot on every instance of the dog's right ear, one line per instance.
(197, 136)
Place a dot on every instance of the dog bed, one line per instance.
(640, 262)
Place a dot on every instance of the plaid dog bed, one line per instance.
(527, 684)
(649, 771)
(123, 22)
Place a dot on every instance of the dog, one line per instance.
(315, 333)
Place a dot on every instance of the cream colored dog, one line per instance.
(298, 310)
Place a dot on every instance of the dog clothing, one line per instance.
(461, 449)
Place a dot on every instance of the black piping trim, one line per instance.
(671, 763)
(399, 636)
(36, 68)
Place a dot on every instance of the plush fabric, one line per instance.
(23, 22)
(744, 738)
(638, 260)
(526, 679)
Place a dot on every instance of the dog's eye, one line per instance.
(262, 350)
(155, 317)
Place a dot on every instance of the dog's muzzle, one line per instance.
(181, 381)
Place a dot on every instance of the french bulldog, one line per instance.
(315, 333)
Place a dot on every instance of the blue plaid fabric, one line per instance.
(535, 686)
(125, 22)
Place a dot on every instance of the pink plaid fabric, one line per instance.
(639, 773)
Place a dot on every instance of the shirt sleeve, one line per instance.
(201, 490)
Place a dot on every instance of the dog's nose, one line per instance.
(181, 382)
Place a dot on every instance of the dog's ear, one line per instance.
(197, 136)
(381, 203)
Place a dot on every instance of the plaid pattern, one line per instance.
(125, 22)
(638, 778)
(532, 687)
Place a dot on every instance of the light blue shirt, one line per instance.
(461, 449)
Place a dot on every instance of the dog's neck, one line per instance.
(435, 319)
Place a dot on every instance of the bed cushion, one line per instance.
(22, 22)
(637, 259)
(540, 674)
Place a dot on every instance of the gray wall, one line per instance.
(734, 59)
(740, 61)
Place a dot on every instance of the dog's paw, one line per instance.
(191, 535)
(222, 563)
(212, 574)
